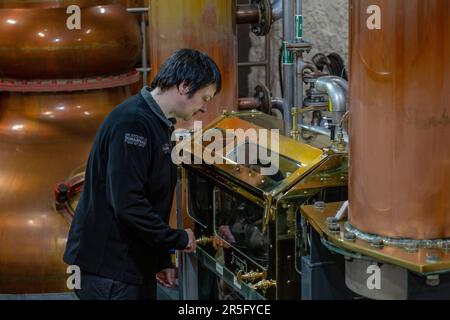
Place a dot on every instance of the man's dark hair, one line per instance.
(193, 67)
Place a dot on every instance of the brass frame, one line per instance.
(414, 261)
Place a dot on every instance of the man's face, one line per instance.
(196, 104)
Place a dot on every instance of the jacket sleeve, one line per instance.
(128, 166)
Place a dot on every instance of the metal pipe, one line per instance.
(323, 131)
(267, 57)
(288, 92)
(253, 64)
(300, 63)
(335, 88)
(143, 24)
(341, 82)
(137, 10)
(277, 114)
(288, 59)
(277, 10)
(281, 105)
(144, 49)
(299, 20)
(248, 13)
(248, 103)
(142, 69)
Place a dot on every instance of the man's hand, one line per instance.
(166, 277)
(191, 244)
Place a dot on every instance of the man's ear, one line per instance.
(183, 88)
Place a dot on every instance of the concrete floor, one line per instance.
(162, 294)
(44, 296)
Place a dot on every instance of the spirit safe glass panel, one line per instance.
(239, 222)
(199, 198)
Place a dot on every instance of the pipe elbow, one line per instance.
(277, 10)
(337, 89)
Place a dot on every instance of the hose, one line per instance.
(333, 62)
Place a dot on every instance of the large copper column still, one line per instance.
(206, 25)
(400, 119)
(45, 136)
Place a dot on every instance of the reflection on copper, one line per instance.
(36, 43)
(185, 28)
(65, 3)
(400, 118)
(28, 4)
(248, 103)
(43, 138)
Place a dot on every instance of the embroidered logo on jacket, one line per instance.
(135, 140)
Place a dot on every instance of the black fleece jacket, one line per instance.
(120, 227)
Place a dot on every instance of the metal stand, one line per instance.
(187, 262)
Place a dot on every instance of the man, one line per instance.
(120, 236)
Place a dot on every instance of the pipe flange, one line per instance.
(315, 104)
(410, 245)
(311, 77)
(262, 94)
(265, 21)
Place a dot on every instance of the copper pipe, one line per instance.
(36, 43)
(399, 118)
(247, 13)
(250, 13)
(248, 103)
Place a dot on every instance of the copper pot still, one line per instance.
(65, 3)
(46, 136)
(31, 4)
(43, 139)
(36, 43)
(400, 118)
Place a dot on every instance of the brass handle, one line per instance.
(250, 276)
(204, 240)
(263, 285)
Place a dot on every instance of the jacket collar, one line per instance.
(155, 108)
